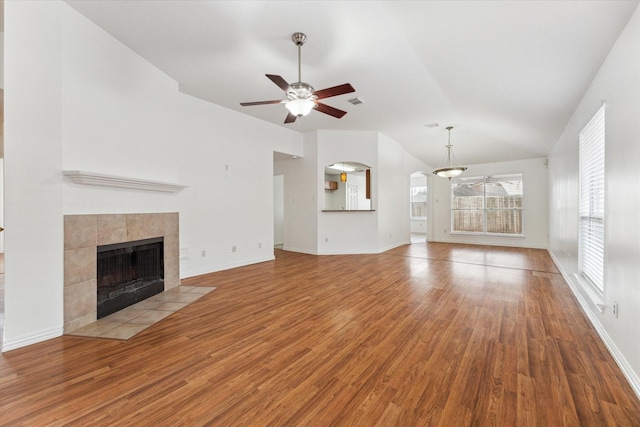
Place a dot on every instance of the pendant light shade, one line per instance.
(449, 171)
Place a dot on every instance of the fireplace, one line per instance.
(84, 234)
(128, 272)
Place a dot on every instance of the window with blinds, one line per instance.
(487, 204)
(591, 209)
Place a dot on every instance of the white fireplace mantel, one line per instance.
(91, 178)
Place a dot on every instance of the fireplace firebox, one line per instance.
(128, 273)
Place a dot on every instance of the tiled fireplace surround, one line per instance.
(84, 233)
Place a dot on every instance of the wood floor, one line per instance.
(425, 334)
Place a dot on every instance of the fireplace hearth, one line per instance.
(127, 273)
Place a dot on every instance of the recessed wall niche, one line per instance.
(347, 187)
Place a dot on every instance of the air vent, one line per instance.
(432, 125)
(356, 101)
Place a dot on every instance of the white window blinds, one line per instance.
(591, 233)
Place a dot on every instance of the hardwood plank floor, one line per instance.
(425, 334)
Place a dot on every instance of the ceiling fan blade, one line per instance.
(290, 118)
(334, 91)
(282, 83)
(247, 104)
(324, 108)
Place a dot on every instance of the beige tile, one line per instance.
(79, 323)
(171, 246)
(171, 223)
(180, 289)
(149, 317)
(124, 331)
(112, 229)
(153, 225)
(175, 297)
(79, 265)
(80, 300)
(171, 306)
(80, 231)
(125, 315)
(171, 261)
(95, 329)
(135, 227)
(171, 273)
(147, 305)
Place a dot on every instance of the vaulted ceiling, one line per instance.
(506, 74)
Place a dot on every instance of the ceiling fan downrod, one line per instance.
(299, 39)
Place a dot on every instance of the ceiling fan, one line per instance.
(302, 97)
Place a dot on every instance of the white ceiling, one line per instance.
(506, 74)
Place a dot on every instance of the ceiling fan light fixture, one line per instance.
(449, 171)
(301, 96)
(300, 107)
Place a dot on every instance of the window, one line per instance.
(418, 202)
(591, 209)
(487, 204)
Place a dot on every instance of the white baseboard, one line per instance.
(348, 252)
(300, 250)
(623, 364)
(213, 269)
(25, 340)
(354, 252)
(465, 240)
(393, 246)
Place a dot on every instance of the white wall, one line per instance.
(226, 158)
(79, 99)
(535, 211)
(33, 178)
(618, 84)
(347, 232)
(395, 167)
(119, 117)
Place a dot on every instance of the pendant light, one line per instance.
(343, 175)
(449, 171)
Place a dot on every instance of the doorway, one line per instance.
(278, 211)
(418, 197)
